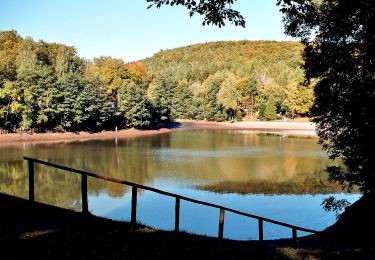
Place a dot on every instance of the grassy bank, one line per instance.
(44, 232)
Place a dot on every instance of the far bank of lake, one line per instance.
(286, 128)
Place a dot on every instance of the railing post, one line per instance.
(221, 224)
(31, 171)
(85, 205)
(133, 220)
(294, 232)
(260, 229)
(177, 215)
(31, 180)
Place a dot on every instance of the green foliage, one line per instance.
(270, 109)
(9, 105)
(257, 69)
(183, 105)
(46, 86)
(262, 109)
(161, 93)
(213, 110)
(43, 87)
(298, 100)
(9, 48)
(112, 72)
(35, 96)
(214, 12)
(229, 95)
(339, 56)
(199, 93)
(136, 108)
(80, 105)
(267, 109)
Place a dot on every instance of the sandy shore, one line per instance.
(289, 127)
(58, 137)
(298, 126)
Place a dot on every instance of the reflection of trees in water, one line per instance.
(52, 186)
(13, 180)
(247, 157)
(304, 186)
(62, 188)
(238, 162)
(58, 189)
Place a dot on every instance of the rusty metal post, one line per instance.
(221, 224)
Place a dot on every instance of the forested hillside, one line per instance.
(245, 78)
(47, 86)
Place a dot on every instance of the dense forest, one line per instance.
(222, 80)
(48, 87)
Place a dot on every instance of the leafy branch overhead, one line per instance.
(215, 12)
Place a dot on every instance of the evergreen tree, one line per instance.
(182, 103)
(270, 109)
(249, 93)
(199, 94)
(135, 107)
(161, 93)
(262, 110)
(93, 108)
(80, 104)
(229, 95)
(213, 111)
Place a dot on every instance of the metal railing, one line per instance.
(135, 187)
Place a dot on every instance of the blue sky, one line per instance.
(127, 29)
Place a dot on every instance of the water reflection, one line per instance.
(225, 167)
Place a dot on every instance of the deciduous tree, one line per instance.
(340, 55)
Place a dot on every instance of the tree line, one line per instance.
(47, 86)
(235, 79)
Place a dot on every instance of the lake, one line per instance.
(266, 174)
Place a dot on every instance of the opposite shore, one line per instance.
(287, 128)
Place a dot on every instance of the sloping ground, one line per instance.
(36, 231)
(356, 226)
(196, 62)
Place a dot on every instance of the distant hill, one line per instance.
(47, 86)
(257, 79)
(280, 60)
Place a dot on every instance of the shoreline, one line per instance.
(287, 129)
(243, 125)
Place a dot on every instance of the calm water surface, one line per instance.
(260, 173)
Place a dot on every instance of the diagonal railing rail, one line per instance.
(135, 187)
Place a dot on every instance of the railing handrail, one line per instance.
(177, 196)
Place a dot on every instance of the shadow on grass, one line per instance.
(34, 230)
